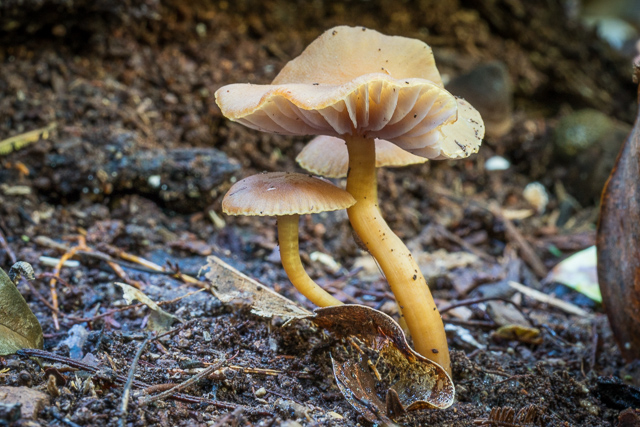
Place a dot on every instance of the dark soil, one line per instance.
(130, 86)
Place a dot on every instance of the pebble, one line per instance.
(292, 409)
(586, 144)
(32, 401)
(489, 89)
(497, 163)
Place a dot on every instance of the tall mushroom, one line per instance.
(358, 85)
(287, 196)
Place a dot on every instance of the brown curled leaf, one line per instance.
(374, 358)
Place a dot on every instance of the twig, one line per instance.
(473, 323)
(548, 299)
(139, 260)
(228, 418)
(479, 300)
(7, 249)
(127, 386)
(52, 282)
(45, 355)
(173, 390)
(96, 254)
(135, 261)
(526, 251)
(16, 142)
(464, 244)
(124, 277)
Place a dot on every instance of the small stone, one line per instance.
(590, 407)
(497, 163)
(292, 409)
(261, 392)
(32, 401)
(489, 89)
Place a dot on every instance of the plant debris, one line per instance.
(374, 360)
(19, 327)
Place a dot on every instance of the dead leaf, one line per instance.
(375, 358)
(618, 242)
(520, 333)
(505, 314)
(19, 328)
(159, 320)
(579, 273)
(228, 284)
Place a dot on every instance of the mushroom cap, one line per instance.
(458, 139)
(284, 193)
(355, 81)
(328, 156)
(343, 53)
(372, 105)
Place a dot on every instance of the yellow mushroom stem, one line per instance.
(400, 268)
(290, 256)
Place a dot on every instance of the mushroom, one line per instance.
(327, 156)
(287, 196)
(358, 84)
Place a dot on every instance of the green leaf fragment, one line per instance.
(19, 327)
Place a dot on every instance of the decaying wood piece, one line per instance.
(618, 242)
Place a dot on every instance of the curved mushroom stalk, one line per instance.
(287, 196)
(290, 257)
(400, 268)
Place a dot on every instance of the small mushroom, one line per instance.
(327, 156)
(287, 196)
(358, 85)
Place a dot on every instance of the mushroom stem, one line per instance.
(401, 270)
(290, 256)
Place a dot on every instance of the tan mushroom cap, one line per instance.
(405, 112)
(459, 139)
(327, 156)
(355, 81)
(284, 193)
(343, 53)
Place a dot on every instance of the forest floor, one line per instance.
(137, 160)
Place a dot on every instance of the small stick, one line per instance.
(139, 260)
(479, 300)
(127, 387)
(149, 266)
(56, 272)
(17, 142)
(96, 254)
(548, 299)
(32, 352)
(202, 374)
(228, 419)
(464, 244)
(526, 251)
(5, 246)
(124, 277)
